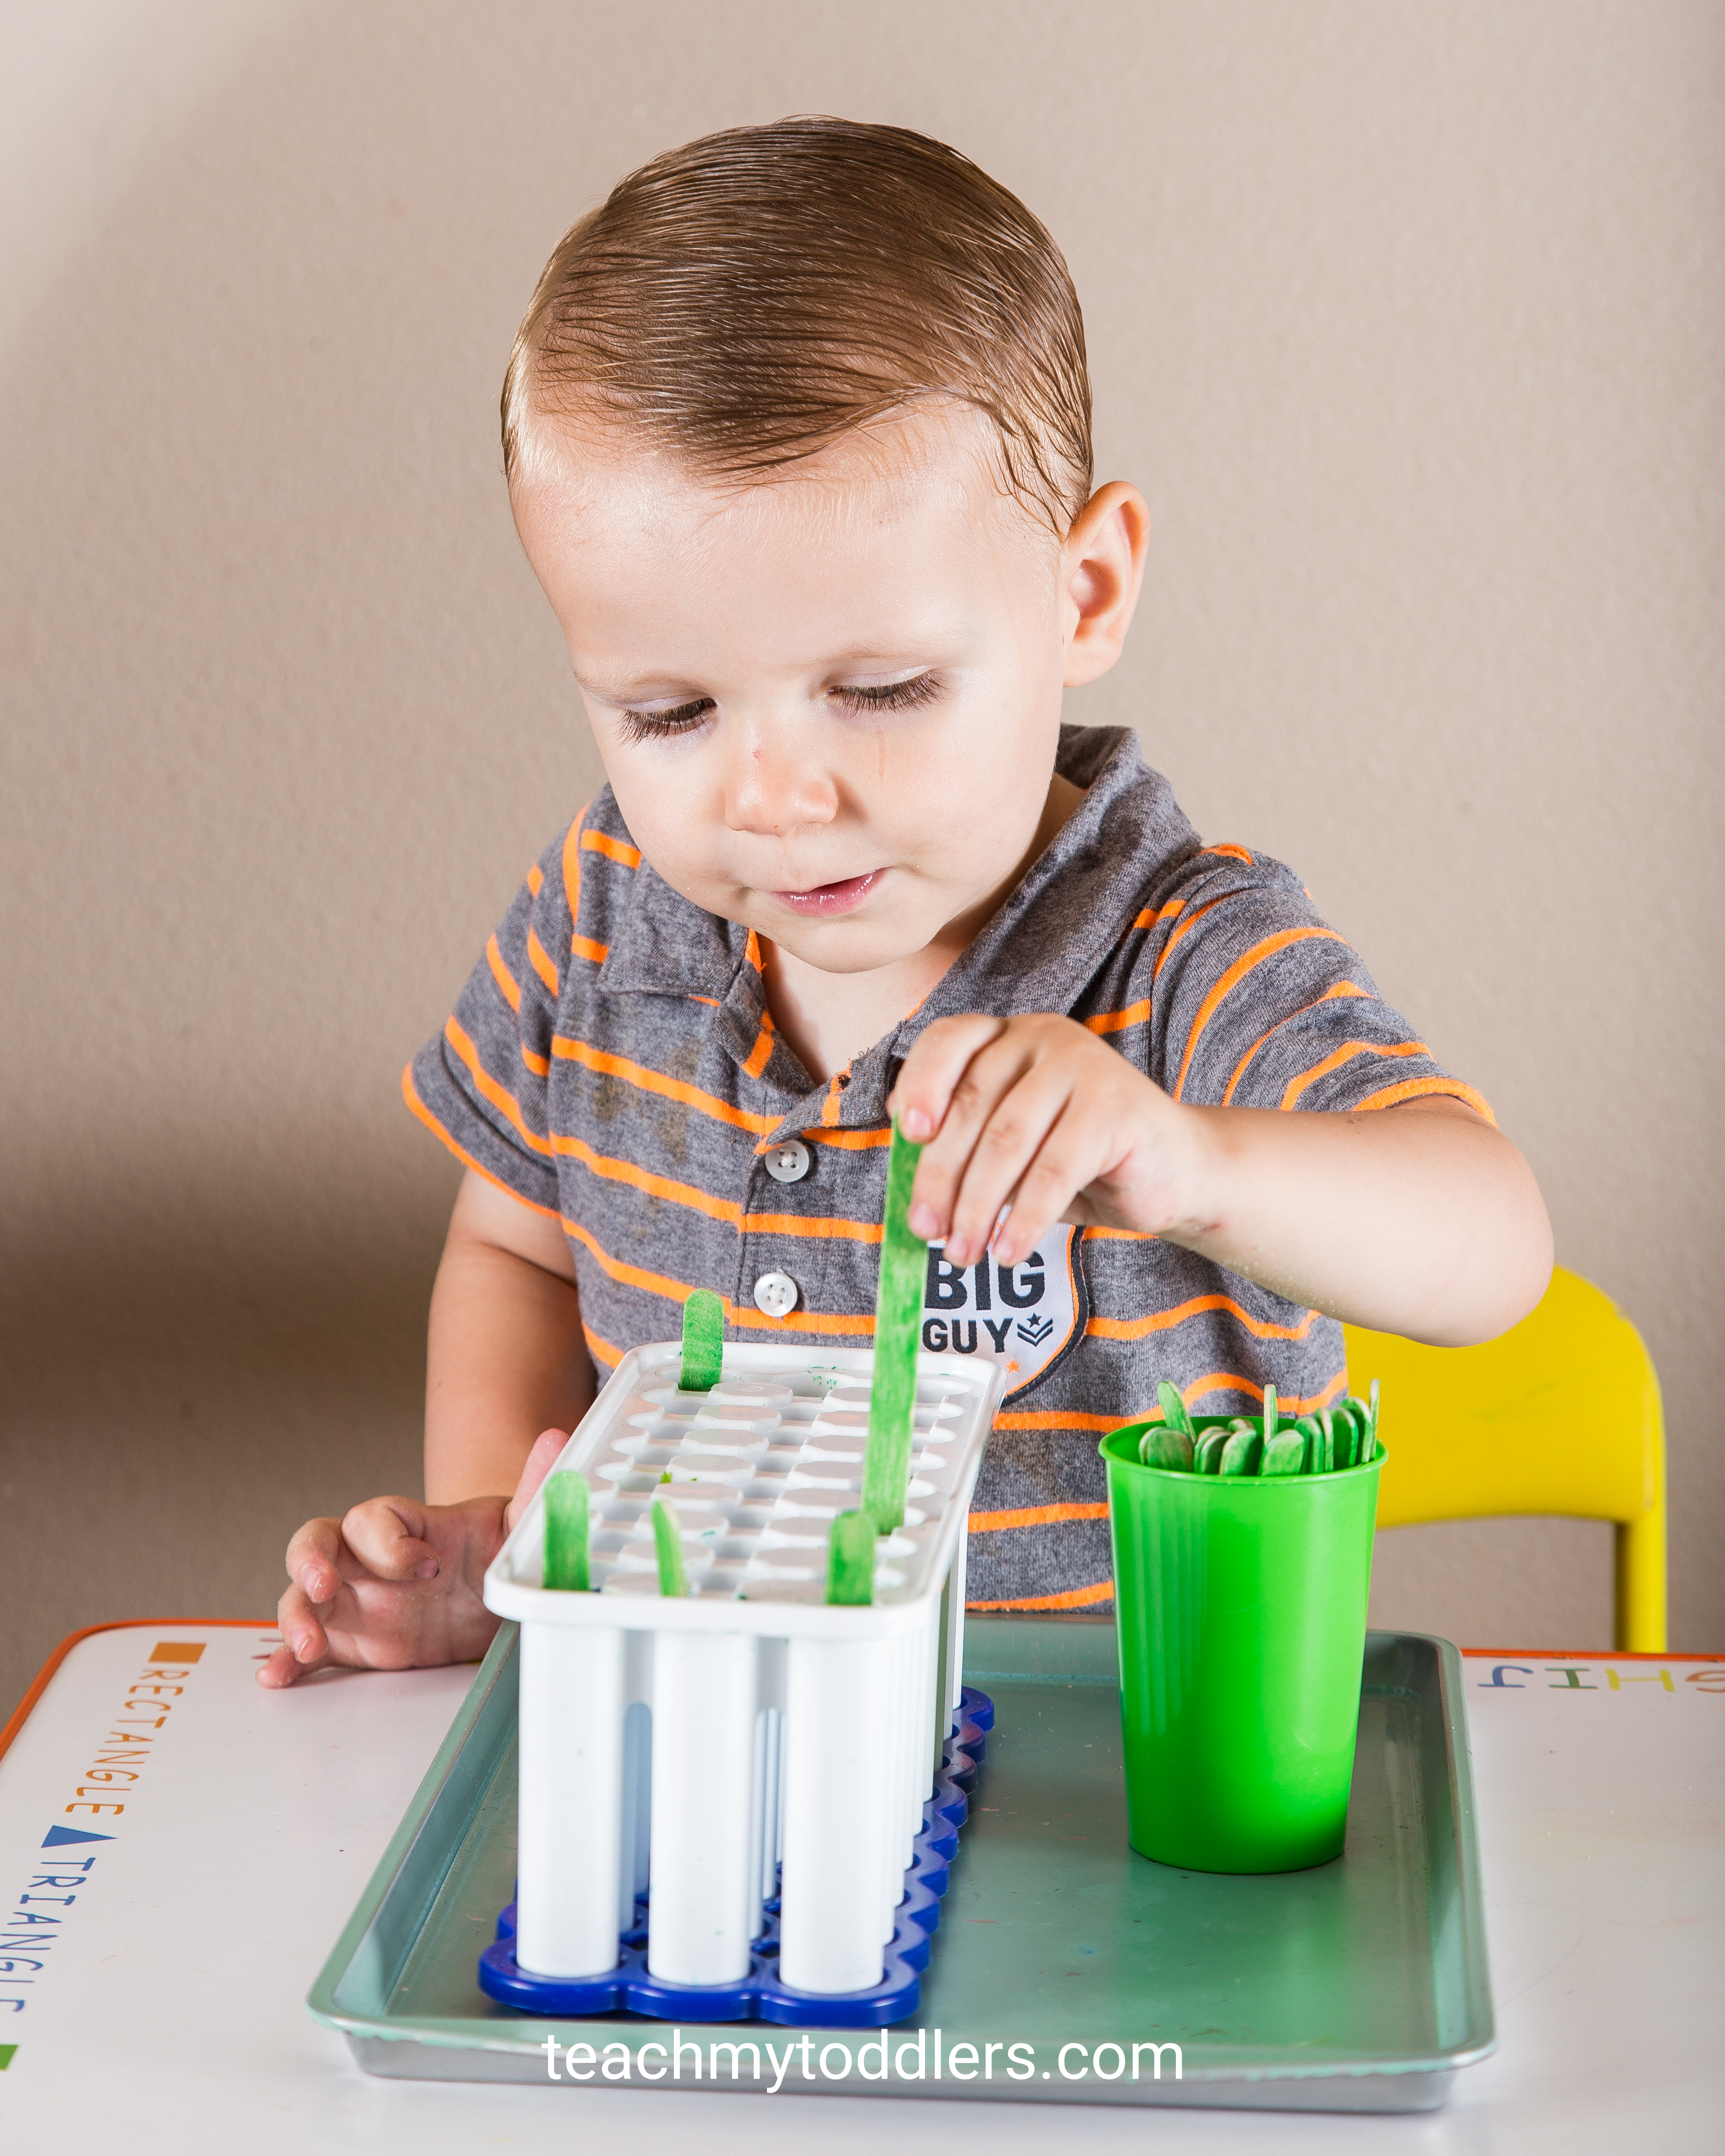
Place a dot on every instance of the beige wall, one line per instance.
(1408, 319)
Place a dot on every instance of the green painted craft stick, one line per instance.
(566, 1549)
(1312, 1436)
(1347, 1434)
(1161, 1446)
(669, 1544)
(1272, 1413)
(1284, 1454)
(1208, 1456)
(850, 1559)
(703, 1341)
(1241, 1453)
(1173, 1408)
(898, 1322)
(1372, 1411)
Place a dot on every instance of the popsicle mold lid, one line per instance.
(756, 1470)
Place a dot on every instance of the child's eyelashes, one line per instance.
(684, 718)
(659, 725)
(890, 696)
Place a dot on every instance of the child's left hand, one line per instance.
(1038, 1113)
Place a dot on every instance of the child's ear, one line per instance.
(1101, 568)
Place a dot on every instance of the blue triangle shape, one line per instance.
(57, 1837)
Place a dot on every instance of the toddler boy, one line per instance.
(797, 432)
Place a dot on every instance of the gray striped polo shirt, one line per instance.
(614, 1062)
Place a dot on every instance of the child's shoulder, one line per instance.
(1131, 849)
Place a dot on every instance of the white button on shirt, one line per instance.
(777, 1294)
(789, 1162)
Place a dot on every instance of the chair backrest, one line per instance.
(1561, 1415)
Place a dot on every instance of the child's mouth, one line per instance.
(831, 898)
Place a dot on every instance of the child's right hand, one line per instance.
(396, 1585)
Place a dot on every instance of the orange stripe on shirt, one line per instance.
(613, 1170)
(1049, 1419)
(538, 1065)
(572, 868)
(1329, 995)
(410, 1094)
(1346, 1053)
(1411, 1089)
(851, 1141)
(1118, 1235)
(1075, 1598)
(1033, 1516)
(583, 947)
(655, 1081)
(1247, 962)
(601, 1348)
(1289, 1404)
(820, 1228)
(500, 1096)
(1136, 1013)
(1163, 1320)
(831, 1107)
(799, 1320)
(540, 959)
(673, 1291)
(504, 979)
(1230, 853)
(599, 842)
(762, 1053)
(536, 878)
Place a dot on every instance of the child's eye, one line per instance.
(892, 696)
(656, 726)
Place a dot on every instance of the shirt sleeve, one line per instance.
(482, 1084)
(1260, 1003)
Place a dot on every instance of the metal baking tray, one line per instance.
(1359, 1986)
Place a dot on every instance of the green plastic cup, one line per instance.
(1241, 1605)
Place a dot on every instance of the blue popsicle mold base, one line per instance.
(760, 1996)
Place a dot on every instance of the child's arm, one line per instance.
(396, 1584)
(1419, 1219)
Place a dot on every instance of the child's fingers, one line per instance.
(385, 1534)
(1007, 1148)
(541, 1460)
(1067, 1161)
(949, 1165)
(303, 1635)
(314, 1557)
(933, 1068)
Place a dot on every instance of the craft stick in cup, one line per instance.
(1161, 1446)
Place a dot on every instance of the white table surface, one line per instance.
(169, 2014)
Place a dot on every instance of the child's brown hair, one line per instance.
(751, 297)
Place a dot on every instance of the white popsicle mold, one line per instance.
(692, 1746)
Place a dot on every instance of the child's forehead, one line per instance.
(930, 469)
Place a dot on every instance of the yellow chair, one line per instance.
(1562, 1414)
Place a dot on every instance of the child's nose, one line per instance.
(772, 789)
